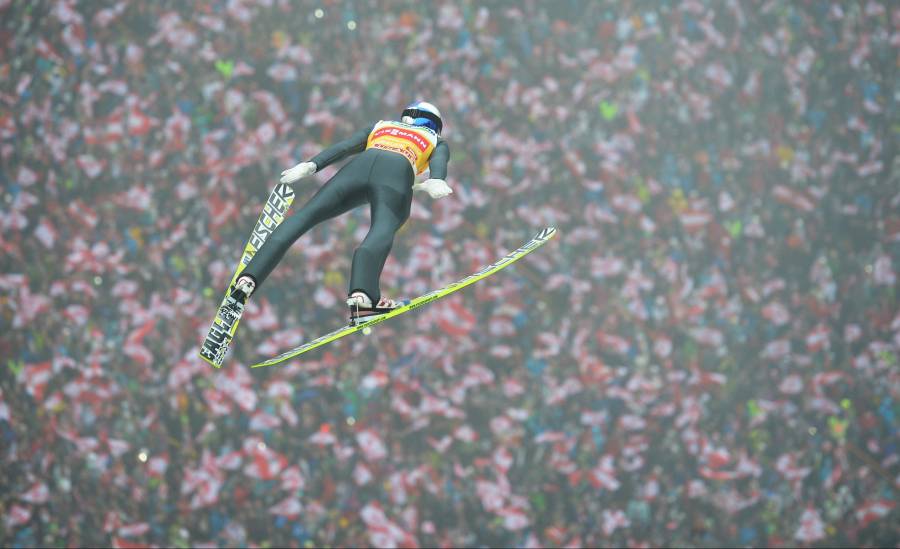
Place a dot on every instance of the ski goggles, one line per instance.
(424, 118)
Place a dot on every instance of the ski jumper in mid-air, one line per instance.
(391, 156)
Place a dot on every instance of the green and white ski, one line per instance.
(539, 240)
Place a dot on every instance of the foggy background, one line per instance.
(706, 354)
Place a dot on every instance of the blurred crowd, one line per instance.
(706, 355)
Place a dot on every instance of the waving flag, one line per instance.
(382, 531)
(613, 520)
(134, 347)
(17, 515)
(871, 511)
(811, 527)
(604, 475)
(454, 319)
(264, 463)
(38, 493)
(289, 508)
(372, 447)
(36, 377)
(134, 530)
(514, 518)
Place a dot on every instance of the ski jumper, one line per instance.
(392, 154)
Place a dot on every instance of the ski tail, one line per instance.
(225, 323)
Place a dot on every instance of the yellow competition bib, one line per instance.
(413, 142)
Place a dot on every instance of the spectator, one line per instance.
(706, 356)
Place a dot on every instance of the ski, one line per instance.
(225, 323)
(539, 240)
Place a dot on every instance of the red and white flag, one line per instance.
(852, 332)
(236, 383)
(382, 531)
(613, 520)
(632, 422)
(46, 233)
(265, 463)
(17, 515)
(776, 313)
(134, 347)
(818, 339)
(46, 50)
(139, 123)
(716, 457)
(278, 341)
(84, 214)
(787, 466)
(823, 379)
(779, 348)
(279, 389)
(811, 527)
(282, 72)
(604, 474)
(77, 314)
(478, 375)
(292, 479)
(323, 437)
(502, 459)
(465, 433)
(289, 507)
(230, 461)
(613, 342)
(454, 319)
(111, 522)
(372, 447)
(793, 198)
(263, 421)
(662, 346)
(695, 220)
(791, 385)
(492, 495)
(442, 444)
(90, 165)
(512, 387)
(157, 465)
(217, 402)
(286, 411)
(514, 518)
(709, 337)
(361, 474)
(122, 543)
(36, 377)
(38, 493)
(134, 530)
(605, 267)
(873, 510)
(260, 316)
(627, 203)
(883, 273)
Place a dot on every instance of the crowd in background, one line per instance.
(706, 355)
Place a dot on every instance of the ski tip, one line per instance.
(546, 233)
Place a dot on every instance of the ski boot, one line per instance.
(242, 289)
(362, 310)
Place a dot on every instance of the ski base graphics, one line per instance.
(225, 324)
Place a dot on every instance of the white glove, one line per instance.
(298, 172)
(436, 188)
